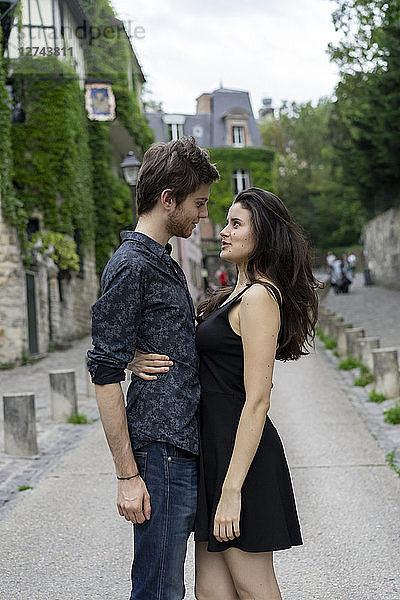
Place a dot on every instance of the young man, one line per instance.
(146, 305)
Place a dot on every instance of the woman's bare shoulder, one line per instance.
(260, 293)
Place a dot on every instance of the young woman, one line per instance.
(246, 506)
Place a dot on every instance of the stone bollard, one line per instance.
(89, 384)
(63, 396)
(333, 322)
(386, 372)
(20, 424)
(364, 346)
(325, 325)
(351, 336)
(341, 329)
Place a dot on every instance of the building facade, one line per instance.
(224, 118)
(42, 304)
(52, 28)
(224, 123)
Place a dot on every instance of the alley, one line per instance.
(63, 540)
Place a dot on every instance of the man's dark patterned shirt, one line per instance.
(146, 304)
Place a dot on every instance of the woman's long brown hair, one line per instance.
(281, 255)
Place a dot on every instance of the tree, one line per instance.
(306, 174)
(367, 110)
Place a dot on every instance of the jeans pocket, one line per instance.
(183, 460)
(141, 461)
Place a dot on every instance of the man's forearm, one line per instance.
(110, 400)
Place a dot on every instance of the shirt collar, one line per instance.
(151, 244)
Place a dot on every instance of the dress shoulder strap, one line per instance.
(272, 288)
(225, 303)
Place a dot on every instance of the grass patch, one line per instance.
(330, 343)
(393, 414)
(22, 488)
(336, 353)
(364, 379)
(375, 397)
(7, 366)
(391, 463)
(79, 419)
(26, 357)
(349, 363)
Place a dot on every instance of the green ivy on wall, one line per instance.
(131, 117)
(64, 250)
(52, 162)
(257, 161)
(60, 163)
(12, 207)
(110, 58)
(112, 195)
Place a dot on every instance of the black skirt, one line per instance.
(268, 519)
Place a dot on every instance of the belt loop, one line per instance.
(169, 449)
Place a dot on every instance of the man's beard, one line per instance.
(179, 225)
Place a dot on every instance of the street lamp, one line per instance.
(130, 167)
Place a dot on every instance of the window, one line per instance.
(32, 228)
(175, 131)
(238, 136)
(241, 180)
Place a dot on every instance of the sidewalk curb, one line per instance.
(386, 434)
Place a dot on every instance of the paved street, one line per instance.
(348, 498)
(374, 308)
(63, 540)
(53, 439)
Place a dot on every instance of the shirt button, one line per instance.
(169, 458)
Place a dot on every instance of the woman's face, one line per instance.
(237, 237)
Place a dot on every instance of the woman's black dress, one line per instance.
(268, 519)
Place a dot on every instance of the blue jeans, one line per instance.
(160, 543)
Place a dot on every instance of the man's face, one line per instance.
(185, 217)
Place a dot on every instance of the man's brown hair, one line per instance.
(180, 165)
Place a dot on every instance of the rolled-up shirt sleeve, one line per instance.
(115, 322)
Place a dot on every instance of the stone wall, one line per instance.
(59, 317)
(382, 248)
(84, 294)
(13, 315)
(71, 316)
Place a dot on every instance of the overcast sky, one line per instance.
(272, 48)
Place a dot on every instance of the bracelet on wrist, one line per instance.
(131, 477)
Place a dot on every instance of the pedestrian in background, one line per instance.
(341, 278)
(330, 259)
(222, 276)
(352, 261)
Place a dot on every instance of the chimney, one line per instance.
(204, 104)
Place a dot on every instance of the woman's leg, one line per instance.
(213, 580)
(253, 574)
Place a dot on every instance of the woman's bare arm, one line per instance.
(259, 328)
